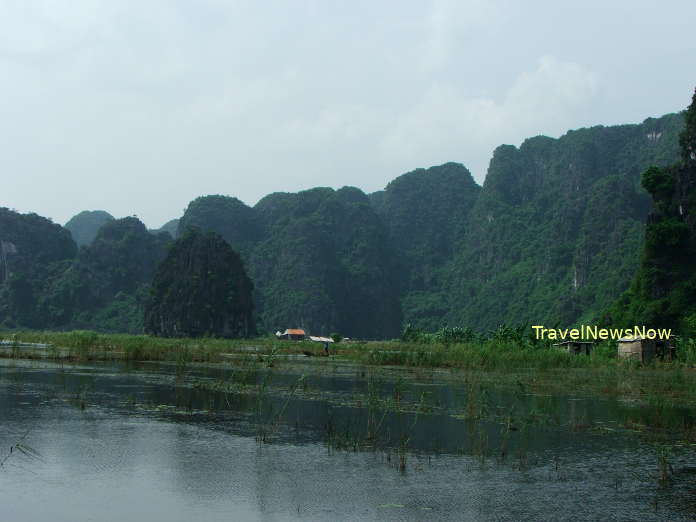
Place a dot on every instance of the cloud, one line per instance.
(139, 107)
(447, 124)
(451, 23)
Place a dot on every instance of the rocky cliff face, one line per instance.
(556, 231)
(325, 265)
(231, 218)
(426, 214)
(200, 289)
(663, 292)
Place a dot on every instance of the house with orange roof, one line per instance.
(292, 334)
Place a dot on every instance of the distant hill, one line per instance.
(171, 227)
(85, 225)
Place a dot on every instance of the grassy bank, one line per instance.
(487, 355)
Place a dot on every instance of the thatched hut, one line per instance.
(575, 347)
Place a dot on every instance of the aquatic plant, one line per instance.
(83, 341)
(664, 466)
(20, 446)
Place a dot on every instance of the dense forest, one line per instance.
(554, 236)
(49, 283)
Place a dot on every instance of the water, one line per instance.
(155, 442)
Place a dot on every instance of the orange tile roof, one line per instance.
(292, 331)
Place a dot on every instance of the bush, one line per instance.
(414, 335)
(456, 334)
(659, 182)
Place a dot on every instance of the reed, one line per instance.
(664, 466)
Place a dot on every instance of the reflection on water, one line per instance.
(115, 443)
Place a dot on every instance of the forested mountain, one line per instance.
(663, 292)
(200, 289)
(319, 259)
(85, 225)
(553, 236)
(557, 229)
(426, 214)
(106, 285)
(229, 217)
(32, 250)
(325, 264)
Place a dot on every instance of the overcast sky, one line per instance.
(137, 107)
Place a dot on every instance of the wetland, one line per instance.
(265, 435)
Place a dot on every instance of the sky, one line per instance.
(138, 107)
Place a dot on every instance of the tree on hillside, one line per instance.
(200, 289)
(663, 292)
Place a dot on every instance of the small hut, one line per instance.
(638, 348)
(318, 339)
(292, 334)
(575, 347)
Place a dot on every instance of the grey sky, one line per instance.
(137, 107)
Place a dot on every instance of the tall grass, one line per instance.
(487, 355)
(88, 345)
(505, 350)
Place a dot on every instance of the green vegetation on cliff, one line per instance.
(319, 259)
(325, 265)
(226, 216)
(663, 293)
(200, 289)
(426, 214)
(556, 232)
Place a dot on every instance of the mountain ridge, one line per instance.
(553, 234)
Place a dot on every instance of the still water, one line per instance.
(302, 441)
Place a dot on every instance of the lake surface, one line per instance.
(309, 441)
